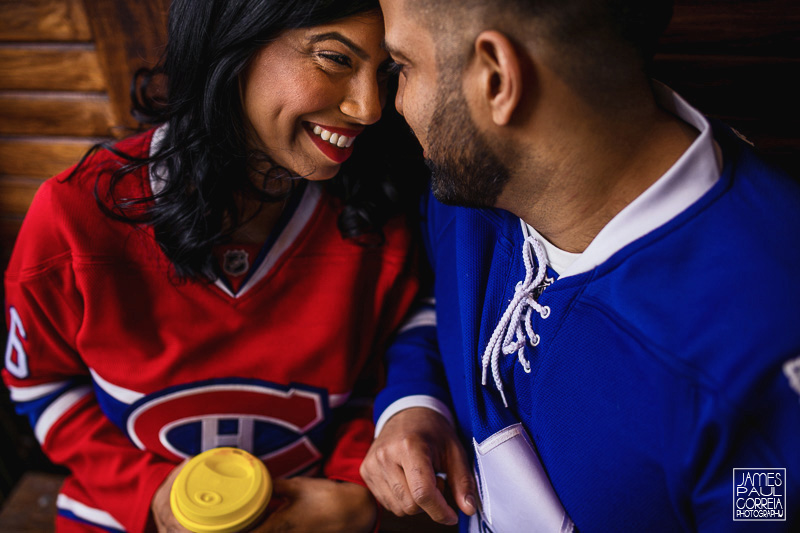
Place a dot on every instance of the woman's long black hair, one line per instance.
(204, 155)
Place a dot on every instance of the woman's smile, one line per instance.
(336, 143)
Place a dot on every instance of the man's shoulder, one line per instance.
(718, 284)
(750, 173)
(740, 234)
(748, 227)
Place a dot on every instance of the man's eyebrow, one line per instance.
(394, 52)
(336, 36)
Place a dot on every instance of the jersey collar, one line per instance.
(692, 175)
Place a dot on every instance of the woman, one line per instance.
(199, 286)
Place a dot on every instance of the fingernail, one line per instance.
(470, 500)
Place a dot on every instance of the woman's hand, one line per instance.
(303, 504)
(320, 505)
(160, 508)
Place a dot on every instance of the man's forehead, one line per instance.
(405, 36)
(394, 15)
(392, 7)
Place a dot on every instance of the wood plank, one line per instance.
(128, 36)
(736, 86)
(751, 27)
(65, 67)
(31, 507)
(43, 20)
(755, 95)
(55, 113)
(41, 157)
(16, 194)
(9, 229)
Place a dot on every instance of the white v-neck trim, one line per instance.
(156, 174)
(300, 217)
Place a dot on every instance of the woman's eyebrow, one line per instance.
(336, 36)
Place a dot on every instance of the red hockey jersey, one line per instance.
(124, 372)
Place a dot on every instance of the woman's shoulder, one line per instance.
(65, 213)
(96, 167)
(107, 158)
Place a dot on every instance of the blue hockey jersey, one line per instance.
(655, 376)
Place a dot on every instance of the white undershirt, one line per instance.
(558, 259)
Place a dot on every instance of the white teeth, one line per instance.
(336, 139)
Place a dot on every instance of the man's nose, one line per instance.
(398, 99)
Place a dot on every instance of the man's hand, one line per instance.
(401, 466)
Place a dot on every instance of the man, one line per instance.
(617, 321)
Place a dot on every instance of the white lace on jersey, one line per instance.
(514, 328)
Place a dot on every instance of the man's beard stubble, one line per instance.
(464, 169)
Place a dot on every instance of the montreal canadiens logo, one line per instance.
(277, 424)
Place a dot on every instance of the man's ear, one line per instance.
(498, 72)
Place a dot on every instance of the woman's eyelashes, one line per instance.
(335, 59)
(338, 61)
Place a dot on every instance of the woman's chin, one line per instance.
(321, 174)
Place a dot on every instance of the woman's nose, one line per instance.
(364, 102)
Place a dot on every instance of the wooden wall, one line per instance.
(739, 61)
(65, 71)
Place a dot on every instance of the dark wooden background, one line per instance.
(66, 65)
(739, 61)
(65, 71)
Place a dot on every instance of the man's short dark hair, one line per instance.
(596, 42)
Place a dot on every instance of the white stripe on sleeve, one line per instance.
(123, 395)
(423, 317)
(56, 410)
(28, 394)
(417, 400)
(90, 514)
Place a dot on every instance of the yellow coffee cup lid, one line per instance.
(221, 490)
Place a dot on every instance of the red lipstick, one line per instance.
(333, 152)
